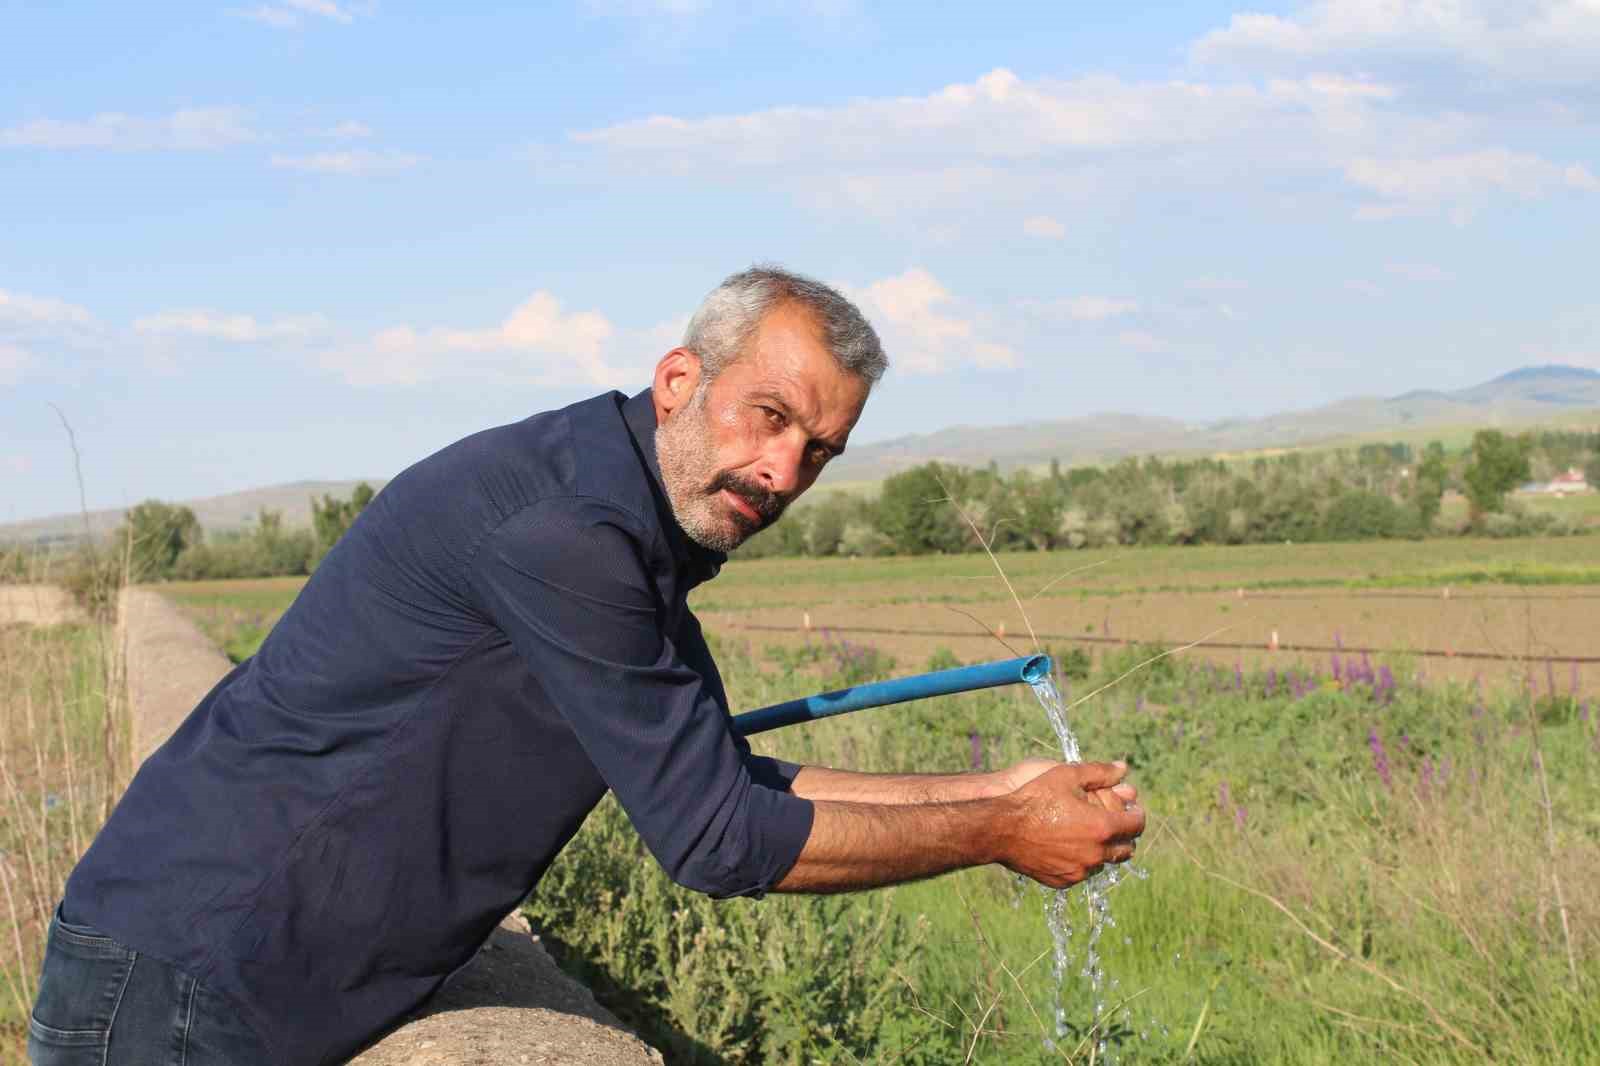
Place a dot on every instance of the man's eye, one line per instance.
(820, 455)
(774, 417)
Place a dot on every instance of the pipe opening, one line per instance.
(1036, 669)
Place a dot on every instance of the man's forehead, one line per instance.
(789, 358)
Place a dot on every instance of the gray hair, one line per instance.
(728, 318)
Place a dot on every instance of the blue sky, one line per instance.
(253, 243)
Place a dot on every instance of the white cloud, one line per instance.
(1141, 341)
(1214, 284)
(1543, 40)
(1044, 226)
(187, 129)
(1082, 308)
(909, 311)
(348, 130)
(1003, 140)
(277, 17)
(16, 464)
(355, 162)
(1459, 183)
(997, 117)
(648, 8)
(15, 362)
(1424, 272)
(537, 343)
(218, 325)
(1364, 287)
(325, 8)
(17, 308)
(289, 14)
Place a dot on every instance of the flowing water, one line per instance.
(1097, 907)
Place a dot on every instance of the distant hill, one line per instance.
(1530, 396)
(1526, 397)
(232, 513)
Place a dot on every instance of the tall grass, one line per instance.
(1313, 896)
(63, 759)
(1347, 863)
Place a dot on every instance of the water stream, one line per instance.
(1097, 905)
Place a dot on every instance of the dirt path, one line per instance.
(171, 666)
(510, 1005)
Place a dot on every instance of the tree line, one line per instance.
(165, 541)
(1373, 491)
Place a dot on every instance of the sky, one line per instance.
(251, 243)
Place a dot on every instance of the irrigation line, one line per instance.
(1362, 595)
(1203, 644)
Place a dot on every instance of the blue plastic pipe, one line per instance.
(1028, 668)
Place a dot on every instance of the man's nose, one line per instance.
(780, 467)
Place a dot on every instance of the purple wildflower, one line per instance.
(1238, 677)
(1338, 668)
(1272, 682)
(1224, 797)
(977, 750)
(1239, 816)
(1380, 756)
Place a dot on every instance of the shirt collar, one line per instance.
(640, 415)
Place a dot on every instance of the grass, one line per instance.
(236, 615)
(1302, 905)
(62, 759)
(1344, 865)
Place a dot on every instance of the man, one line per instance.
(499, 638)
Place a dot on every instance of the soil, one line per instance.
(1498, 633)
(510, 1005)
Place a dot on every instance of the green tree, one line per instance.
(1362, 515)
(1427, 489)
(331, 516)
(158, 533)
(1498, 463)
(914, 510)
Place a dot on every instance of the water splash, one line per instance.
(1097, 904)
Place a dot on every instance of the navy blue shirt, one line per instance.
(500, 637)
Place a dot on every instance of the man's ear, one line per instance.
(677, 376)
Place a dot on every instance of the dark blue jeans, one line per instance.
(103, 1004)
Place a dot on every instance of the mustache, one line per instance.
(766, 503)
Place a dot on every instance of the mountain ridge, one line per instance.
(1518, 398)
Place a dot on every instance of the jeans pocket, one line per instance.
(80, 988)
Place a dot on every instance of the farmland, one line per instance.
(1352, 856)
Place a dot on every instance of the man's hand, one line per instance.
(1116, 798)
(1065, 823)
(1061, 826)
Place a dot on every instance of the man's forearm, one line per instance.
(843, 786)
(865, 845)
(1056, 828)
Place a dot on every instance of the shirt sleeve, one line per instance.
(768, 771)
(568, 583)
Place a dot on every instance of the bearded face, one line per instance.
(718, 508)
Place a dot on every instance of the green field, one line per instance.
(1339, 870)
